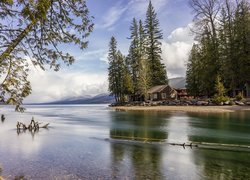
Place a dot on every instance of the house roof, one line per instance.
(157, 89)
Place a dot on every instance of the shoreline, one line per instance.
(194, 109)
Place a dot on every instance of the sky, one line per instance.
(88, 75)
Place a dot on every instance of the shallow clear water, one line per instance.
(95, 142)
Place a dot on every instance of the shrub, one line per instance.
(239, 96)
(219, 99)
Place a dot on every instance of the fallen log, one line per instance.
(184, 144)
(33, 126)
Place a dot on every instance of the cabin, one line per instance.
(162, 92)
(179, 84)
(182, 93)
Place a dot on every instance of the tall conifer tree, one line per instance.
(112, 70)
(153, 47)
(144, 71)
(193, 72)
(133, 56)
(120, 82)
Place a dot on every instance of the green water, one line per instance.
(95, 142)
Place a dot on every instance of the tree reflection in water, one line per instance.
(220, 164)
(225, 128)
(138, 160)
(139, 126)
(33, 133)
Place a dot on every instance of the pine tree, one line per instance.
(127, 81)
(112, 69)
(219, 87)
(120, 82)
(193, 73)
(133, 56)
(227, 47)
(206, 15)
(242, 41)
(153, 47)
(144, 78)
(209, 64)
(142, 41)
(144, 71)
(120, 73)
(219, 96)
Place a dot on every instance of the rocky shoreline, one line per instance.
(183, 103)
(194, 109)
(184, 106)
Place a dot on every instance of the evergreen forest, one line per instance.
(221, 54)
(132, 75)
(219, 61)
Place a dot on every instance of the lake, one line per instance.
(95, 142)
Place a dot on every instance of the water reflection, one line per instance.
(147, 162)
(214, 164)
(136, 161)
(179, 161)
(227, 128)
(69, 151)
(138, 126)
(24, 131)
(139, 161)
(178, 129)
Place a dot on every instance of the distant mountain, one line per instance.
(98, 99)
(178, 83)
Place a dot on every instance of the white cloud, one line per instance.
(175, 54)
(182, 34)
(175, 50)
(50, 86)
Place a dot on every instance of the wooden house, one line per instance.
(182, 93)
(162, 92)
(179, 84)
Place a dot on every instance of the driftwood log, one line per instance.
(2, 117)
(33, 126)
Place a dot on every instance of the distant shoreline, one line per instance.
(195, 109)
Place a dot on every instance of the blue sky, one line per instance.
(88, 75)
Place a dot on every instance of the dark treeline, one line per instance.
(134, 74)
(221, 56)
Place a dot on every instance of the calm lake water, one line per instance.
(95, 142)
